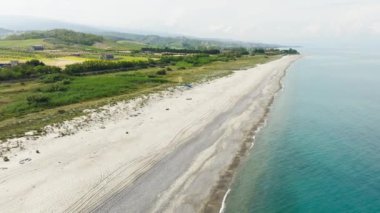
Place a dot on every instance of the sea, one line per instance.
(320, 148)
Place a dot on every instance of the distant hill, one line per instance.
(59, 36)
(69, 37)
(182, 41)
(25, 24)
(4, 32)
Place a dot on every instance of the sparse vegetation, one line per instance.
(33, 93)
(161, 72)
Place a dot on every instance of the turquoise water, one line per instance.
(320, 151)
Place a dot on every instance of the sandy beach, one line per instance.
(160, 153)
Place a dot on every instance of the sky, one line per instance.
(270, 21)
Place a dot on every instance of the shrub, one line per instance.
(58, 87)
(34, 63)
(25, 71)
(66, 81)
(38, 100)
(42, 69)
(161, 72)
(52, 78)
(61, 111)
(96, 66)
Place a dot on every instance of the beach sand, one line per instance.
(162, 153)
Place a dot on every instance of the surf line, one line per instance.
(224, 201)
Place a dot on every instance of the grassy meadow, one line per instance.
(22, 44)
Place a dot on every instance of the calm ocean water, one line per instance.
(320, 151)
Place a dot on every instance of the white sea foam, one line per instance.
(223, 207)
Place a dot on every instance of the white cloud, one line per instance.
(276, 21)
(375, 28)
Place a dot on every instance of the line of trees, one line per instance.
(35, 68)
(30, 69)
(181, 51)
(272, 51)
(236, 52)
(290, 52)
(100, 65)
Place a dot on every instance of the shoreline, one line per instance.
(167, 150)
(230, 174)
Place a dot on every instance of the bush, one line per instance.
(38, 100)
(56, 88)
(259, 51)
(52, 78)
(161, 72)
(96, 66)
(26, 71)
(42, 70)
(34, 63)
(66, 81)
(61, 111)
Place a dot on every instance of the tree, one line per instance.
(35, 62)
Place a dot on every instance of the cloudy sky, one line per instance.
(275, 21)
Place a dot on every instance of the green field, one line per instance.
(131, 58)
(131, 45)
(22, 44)
(61, 55)
(62, 44)
(110, 45)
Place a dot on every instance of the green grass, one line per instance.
(60, 54)
(80, 89)
(183, 64)
(131, 45)
(22, 44)
(18, 116)
(7, 55)
(131, 58)
(111, 45)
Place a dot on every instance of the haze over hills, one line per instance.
(27, 23)
(183, 41)
(4, 32)
(22, 24)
